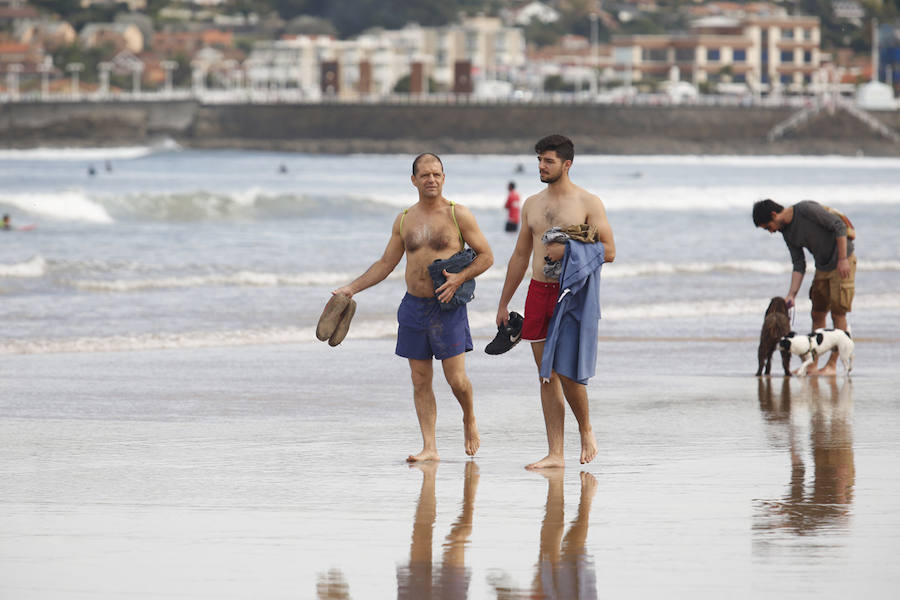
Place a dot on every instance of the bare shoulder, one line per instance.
(535, 199)
(592, 203)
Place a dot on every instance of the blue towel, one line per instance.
(571, 345)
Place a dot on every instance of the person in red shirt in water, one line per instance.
(512, 208)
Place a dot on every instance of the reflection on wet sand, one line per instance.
(826, 410)
(418, 580)
(564, 569)
(332, 585)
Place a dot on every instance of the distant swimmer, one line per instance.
(520, 168)
(512, 208)
(433, 320)
(282, 168)
(108, 166)
(92, 171)
(6, 226)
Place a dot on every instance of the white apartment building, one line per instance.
(374, 62)
(765, 52)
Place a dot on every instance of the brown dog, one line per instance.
(776, 325)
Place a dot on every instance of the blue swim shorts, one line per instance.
(426, 331)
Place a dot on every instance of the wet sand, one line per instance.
(278, 472)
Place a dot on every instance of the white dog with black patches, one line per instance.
(820, 341)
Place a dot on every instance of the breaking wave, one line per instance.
(35, 266)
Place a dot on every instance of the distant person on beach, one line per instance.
(826, 235)
(433, 228)
(6, 226)
(560, 204)
(512, 208)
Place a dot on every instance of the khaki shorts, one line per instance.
(830, 292)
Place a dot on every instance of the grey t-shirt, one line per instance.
(817, 230)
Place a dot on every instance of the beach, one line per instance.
(278, 471)
(172, 428)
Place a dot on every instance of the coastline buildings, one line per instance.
(433, 58)
(767, 53)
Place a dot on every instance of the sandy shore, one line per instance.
(278, 472)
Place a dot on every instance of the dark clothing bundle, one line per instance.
(454, 264)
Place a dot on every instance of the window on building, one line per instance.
(713, 54)
(807, 34)
(807, 57)
(684, 54)
(739, 55)
(739, 78)
(654, 54)
(787, 56)
(471, 43)
(787, 79)
(787, 33)
(807, 79)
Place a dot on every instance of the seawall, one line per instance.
(411, 128)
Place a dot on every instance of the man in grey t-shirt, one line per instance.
(810, 225)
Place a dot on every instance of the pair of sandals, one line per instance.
(335, 320)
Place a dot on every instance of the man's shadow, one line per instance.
(826, 410)
(420, 579)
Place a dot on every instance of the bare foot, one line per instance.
(548, 462)
(588, 446)
(473, 440)
(423, 456)
(828, 370)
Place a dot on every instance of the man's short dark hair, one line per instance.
(512, 185)
(562, 145)
(762, 211)
(423, 155)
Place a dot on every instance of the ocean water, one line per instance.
(170, 248)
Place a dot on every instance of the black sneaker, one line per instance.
(507, 335)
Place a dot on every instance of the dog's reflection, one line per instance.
(824, 409)
(419, 580)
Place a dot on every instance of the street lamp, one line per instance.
(198, 76)
(595, 38)
(75, 69)
(168, 66)
(136, 70)
(104, 68)
(12, 79)
(45, 67)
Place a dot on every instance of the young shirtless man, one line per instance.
(431, 229)
(562, 203)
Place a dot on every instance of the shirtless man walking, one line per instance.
(433, 228)
(560, 204)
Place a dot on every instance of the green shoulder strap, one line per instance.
(455, 222)
(403, 216)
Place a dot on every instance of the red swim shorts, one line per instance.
(539, 305)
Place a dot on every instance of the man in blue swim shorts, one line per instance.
(432, 229)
